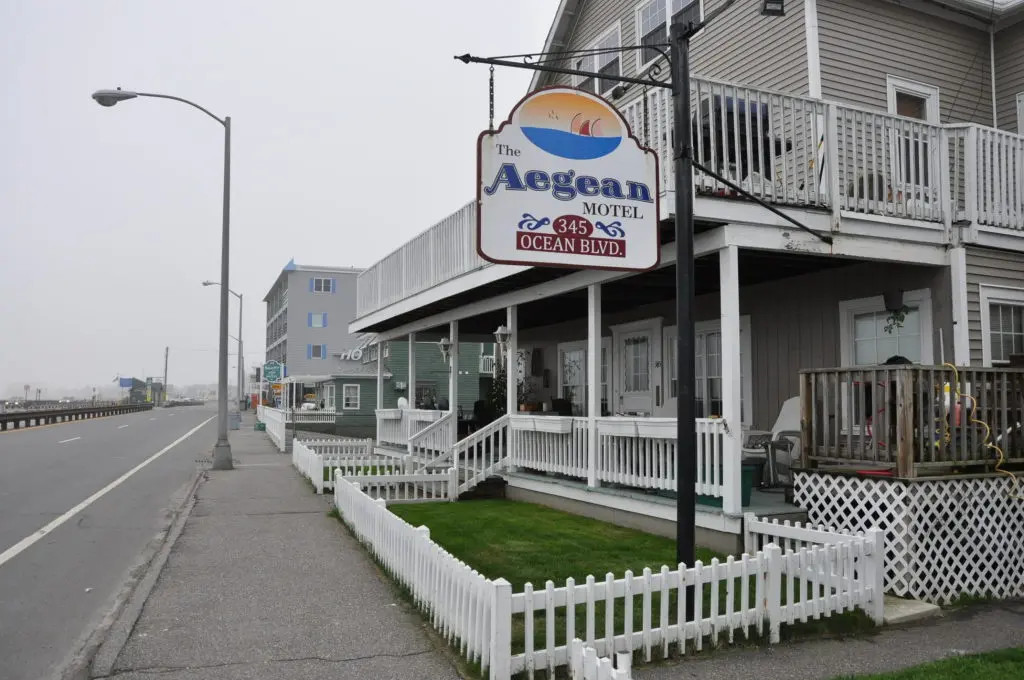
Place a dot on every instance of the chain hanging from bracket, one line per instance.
(491, 96)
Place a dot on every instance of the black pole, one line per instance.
(686, 415)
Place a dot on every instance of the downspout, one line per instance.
(992, 71)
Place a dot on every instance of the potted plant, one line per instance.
(895, 319)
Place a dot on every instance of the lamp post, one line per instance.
(239, 338)
(222, 449)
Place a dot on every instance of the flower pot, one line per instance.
(617, 426)
(893, 300)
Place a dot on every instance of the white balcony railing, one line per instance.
(787, 150)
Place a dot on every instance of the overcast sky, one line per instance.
(353, 130)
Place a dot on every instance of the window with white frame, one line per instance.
(869, 335)
(709, 391)
(608, 63)
(652, 29)
(318, 319)
(321, 285)
(605, 370)
(318, 351)
(652, 25)
(328, 396)
(1002, 323)
(350, 397)
(572, 376)
(585, 63)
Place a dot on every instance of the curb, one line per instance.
(96, 654)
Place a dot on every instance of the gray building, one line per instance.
(308, 311)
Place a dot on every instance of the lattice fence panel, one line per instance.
(944, 538)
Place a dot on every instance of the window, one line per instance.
(1002, 323)
(585, 63)
(318, 319)
(608, 63)
(425, 395)
(1020, 112)
(652, 27)
(864, 340)
(605, 351)
(572, 376)
(316, 351)
(709, 391)
(319, 285)
(328, 396)
(350, 397)
(637, 358)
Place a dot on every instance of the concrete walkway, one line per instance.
(969, 631)
(262, 583)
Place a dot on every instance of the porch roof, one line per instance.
(756, 266)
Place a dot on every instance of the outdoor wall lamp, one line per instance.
(501, 336)
(773, 8)
(445, 345)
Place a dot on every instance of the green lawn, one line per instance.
(523, 542)
(1006, 664)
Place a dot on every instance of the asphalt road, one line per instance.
(55, 590)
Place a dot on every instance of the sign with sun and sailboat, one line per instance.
(563, 182)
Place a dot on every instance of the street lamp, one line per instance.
(239, 338)
(222, 449)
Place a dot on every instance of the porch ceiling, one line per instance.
(755, 267)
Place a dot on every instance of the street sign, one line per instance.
(272, 371)
(563, 182)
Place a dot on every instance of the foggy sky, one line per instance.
(353, 129)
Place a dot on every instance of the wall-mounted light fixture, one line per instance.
(445, 345)
(773, 8)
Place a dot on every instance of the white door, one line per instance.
(637, 349)
(670, 394)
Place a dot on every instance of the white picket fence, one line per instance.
(584, 664)
(275, 421)
(390, 479)
(765, 589)
(857, 573)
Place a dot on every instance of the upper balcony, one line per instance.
(844, 162)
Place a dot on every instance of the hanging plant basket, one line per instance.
(893, 300)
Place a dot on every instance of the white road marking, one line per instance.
(121, 427)
(65, 441)
(154, 418)
(28, 541)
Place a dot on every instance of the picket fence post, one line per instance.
(748, 535)
(874, 573)
(576, 659)
(318, 463)
(453, 484)
(501, 629)
(773, 555)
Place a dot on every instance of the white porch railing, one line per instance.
(434, 440)
(391, 427)
(785, 149)
(275, 420)
(487, 364)
(553, 444)
(300, 416)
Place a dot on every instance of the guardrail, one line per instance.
(18, 420)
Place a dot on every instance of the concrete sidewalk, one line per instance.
(261, 583)
(983, 628)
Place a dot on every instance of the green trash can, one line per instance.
(260, 427)
(748, 471)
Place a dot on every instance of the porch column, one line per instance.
(453, 379)
(958, 283)
(410, 387)
(593, 378)
(732, 385)
(380, 377)
(511, 378)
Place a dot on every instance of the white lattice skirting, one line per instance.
(944, 538)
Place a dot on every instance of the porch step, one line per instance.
(492, 487)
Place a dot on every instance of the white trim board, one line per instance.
(958, 283)
(988, 295)
(813, 50)
(929, 93)
(1020, 112)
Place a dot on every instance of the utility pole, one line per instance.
(167, 351)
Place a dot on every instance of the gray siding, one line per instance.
(862, 41)
(993, 267)
(740, 46)
(431, 369)
(340, 307)
(1009, 74)
(794, 324)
